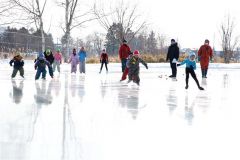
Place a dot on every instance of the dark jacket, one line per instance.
(17, 62)
(173, 52)
(49, 57)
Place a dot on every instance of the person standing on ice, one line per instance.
(173, 55)
(104, 60)
(18, 64)
(190, 67)
(74, 61)
(204, 54)
(40, 66)
(57, 60)
(124, 52)
(82, 59)
(133, 66)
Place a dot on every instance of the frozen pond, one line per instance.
(96, 117)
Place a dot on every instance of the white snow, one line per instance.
(96, 117)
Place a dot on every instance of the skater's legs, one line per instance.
(38, 74)
(174, 69)
(101, 67)
(14, 73)
(124, 64)
(44, 72)
(187, 77)
(21, 70)
(106, 66)
(195, 77)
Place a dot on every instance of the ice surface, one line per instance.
(96, 117)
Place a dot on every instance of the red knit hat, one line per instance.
(136, 52)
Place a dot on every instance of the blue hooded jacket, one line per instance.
(82, 55)
(189, 63)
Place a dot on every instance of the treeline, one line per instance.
(23, 40)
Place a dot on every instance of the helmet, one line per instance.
(48, 51)
(136, 53)
(58, 50)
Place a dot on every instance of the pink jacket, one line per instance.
(58, 57)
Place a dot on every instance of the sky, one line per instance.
(190, 22)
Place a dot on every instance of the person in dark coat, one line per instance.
(18, 64)
(173, 55)
(40, 66)
(104, 60)
(49, 56)
(124, 52)
(133, 67)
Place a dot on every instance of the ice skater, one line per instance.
(173, 55)
(74, 61)
(57, 60)
(190, 67)
(104, 60)
(124, 52)
(18, 64)
(133, 66)
(40, 66)
(204, 54)
(82, 60)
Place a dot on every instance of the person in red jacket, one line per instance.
(104, 60)
(204, 54)
(124, 52)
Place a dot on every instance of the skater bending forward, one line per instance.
(40, 66)
(190, 67)
(133, 66)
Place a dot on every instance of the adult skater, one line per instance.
(124, 52)
(173, 55)
(104, 60)
(74, 61)
(18, 64)
(57, 60)
(49, 56)
(204, 54)
(133, 66)
(190, 67)
(82, 60)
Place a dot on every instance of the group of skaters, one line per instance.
(129, 62)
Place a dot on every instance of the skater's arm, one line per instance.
(11, 62)
(183, 62)
(143, 62)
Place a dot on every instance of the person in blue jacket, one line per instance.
(82, 60)
(40, 66)
(190, 67)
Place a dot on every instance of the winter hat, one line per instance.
(40, 56)
(48, 51)
(124, 41)
(206, 41)
(58, 50)
(136, 53)
(17, 54)
(173, 40)
(191, 53)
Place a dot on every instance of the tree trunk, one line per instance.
(42, 35)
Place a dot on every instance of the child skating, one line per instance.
(74, 61)
(40, 66)
(190, 67)
(57, 60)
(18, 64)
(133, 67)
(104, 60)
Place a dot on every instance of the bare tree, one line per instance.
(5, 8)
(74, 18)
(229, 40)
(162, 43)
(34, 11)
(123, 14)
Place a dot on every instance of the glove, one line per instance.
(146, 66)
(100, 61)
(199, 58)
(178, 65)
(35, 67)
(211, 60)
